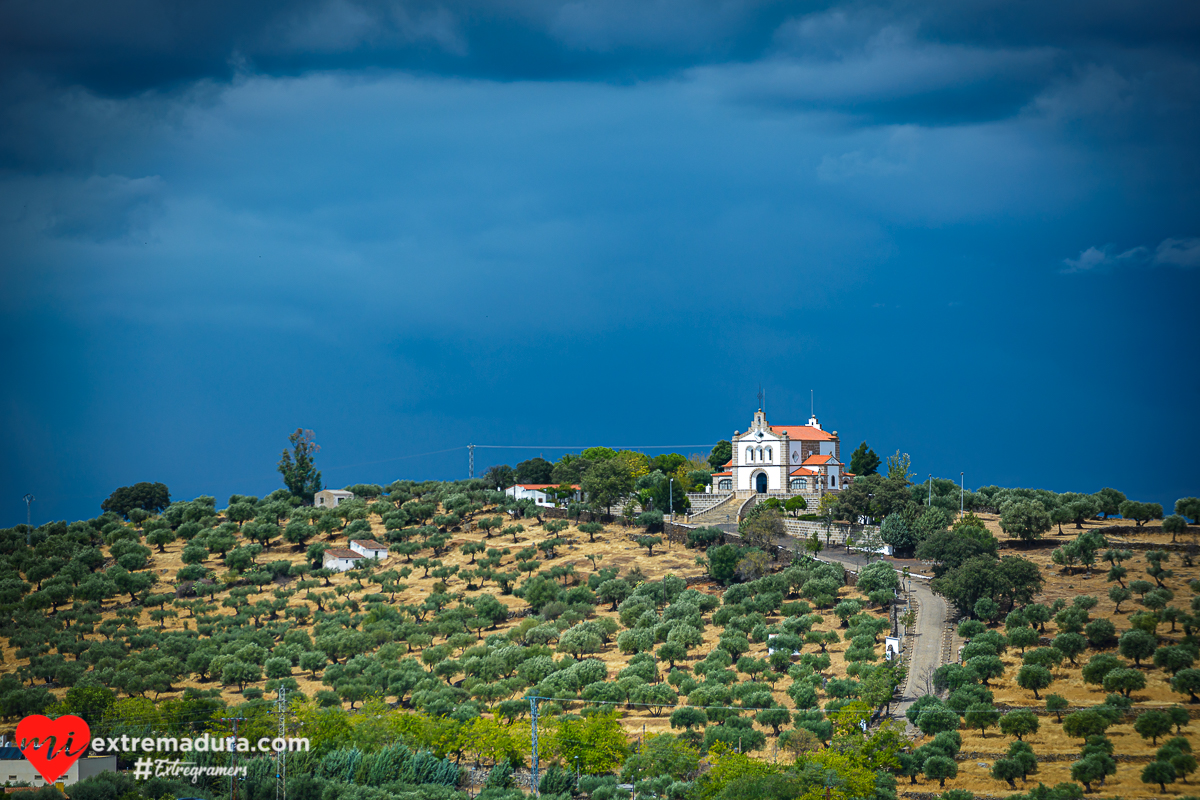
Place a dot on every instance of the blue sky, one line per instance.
(973, 230)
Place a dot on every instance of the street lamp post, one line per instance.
(962, 492)
(671, 497)
(929, 501)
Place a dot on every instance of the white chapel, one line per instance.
(783, 460)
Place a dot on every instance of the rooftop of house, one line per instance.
(535, 487)
(369, 544)
(805, 433)
(338, 552)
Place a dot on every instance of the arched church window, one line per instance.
(768, 454)
(725, 485)
(803, 484)
(749, 453)
(832, 482)
(760, 454)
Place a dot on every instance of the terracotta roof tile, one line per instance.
(338, 552)
(804, 432)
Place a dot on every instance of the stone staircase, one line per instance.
(724, 512)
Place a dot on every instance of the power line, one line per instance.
(397, 458)
(587, 446)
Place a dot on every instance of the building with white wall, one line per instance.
(369, 548)
(331, 498)
(537, 492)
(339, 559)
(783, 459)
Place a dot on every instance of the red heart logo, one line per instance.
(52, 745)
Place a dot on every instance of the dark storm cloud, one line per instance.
(412, 223)
(127, 46)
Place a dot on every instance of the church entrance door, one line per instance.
(760, 483)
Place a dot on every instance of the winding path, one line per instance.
(926, 639)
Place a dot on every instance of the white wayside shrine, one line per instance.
(783, 461)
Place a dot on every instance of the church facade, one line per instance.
(783, 460)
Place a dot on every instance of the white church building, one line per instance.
(783, 460)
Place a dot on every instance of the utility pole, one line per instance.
(929, 502)
(471, 461)
(533, 772)
(281, 753)
(962, 492)
(232, 750)
(28, 518)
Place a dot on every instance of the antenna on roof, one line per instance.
(812, 403)
(760, 397)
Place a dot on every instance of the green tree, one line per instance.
(863, 461)
(982, 716)
(661, 754)
(898, 468)
(1026, 519)
(151, 497)
(1174, 525)
(649, 543)
(1153, 724)
(1056, 704)
(1033, 678)
(607, 482)
(1118, 595)
(1084, 723)
(1008, 770)
(1187, 681)
(1124, 681)
(722, 563)
(300, 474)
(160, 537)
(795, 505)
(939, 768)
(1138, 644)
(762, 528)
(1188, 507)
(1091, 769)
(1141, 513)
(597, 741)
(895, 530)
(1019, 722)
(721, 454)
(1160, 772)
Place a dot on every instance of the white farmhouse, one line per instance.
(537, 492)
(340, 560)
(369, 548)
(331, 498)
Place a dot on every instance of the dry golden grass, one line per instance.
(1050, 739)
(615, 549)
(612, 546)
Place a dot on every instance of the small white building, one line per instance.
(537, 492)
(340, 560)
(331, 498)
(369, 548)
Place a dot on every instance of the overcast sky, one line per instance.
(972, 229)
